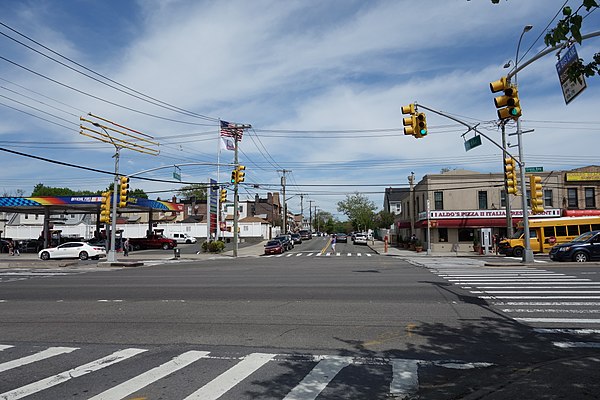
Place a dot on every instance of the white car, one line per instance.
(80, 250)
(183, 237)
(360, 238)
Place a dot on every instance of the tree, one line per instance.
(323, 221)
(359, 210)
(41, 190)
(385, 219)
(196, 190)
(567, 29)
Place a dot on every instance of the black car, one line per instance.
(584, 247)
(296, 238)
(286, 241)
(341, 237)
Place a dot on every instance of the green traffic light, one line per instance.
(423, 132)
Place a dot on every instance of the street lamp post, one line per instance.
(528, 253)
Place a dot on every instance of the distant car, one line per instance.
(30, 246)
(3, 246)
(182, 237)
(360, 238)
(584, 247)
(341, 237)
(274, 247)
(80, 250)
(296, 238)
(306, 235)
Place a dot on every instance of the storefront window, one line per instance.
(443, 234)
(590, 198)
(466, 235)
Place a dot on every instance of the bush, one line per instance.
(216, 246)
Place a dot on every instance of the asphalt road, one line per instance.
(311, 324)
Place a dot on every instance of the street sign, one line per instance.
(570, 89)
(473, 142)
(534, 169)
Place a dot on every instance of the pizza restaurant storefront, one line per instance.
(453, 231)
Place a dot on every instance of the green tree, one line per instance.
(385, 219)
(195, 190)
(41, 190)
(323, 222)
(359, 210)
(567, 29)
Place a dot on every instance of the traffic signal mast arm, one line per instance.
(471, 128)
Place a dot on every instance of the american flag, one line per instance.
(228, 129)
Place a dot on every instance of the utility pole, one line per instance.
(284, 171)
(237, 132)
(310, 216)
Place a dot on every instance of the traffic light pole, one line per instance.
(112, 255)
(528, 253)
(235, 200)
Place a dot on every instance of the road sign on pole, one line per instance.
(570, 89)
(534, 169)
(473, 142)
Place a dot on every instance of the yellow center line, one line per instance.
(324, 249)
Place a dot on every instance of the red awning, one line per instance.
(581, 213)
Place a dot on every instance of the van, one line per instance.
(182, 237)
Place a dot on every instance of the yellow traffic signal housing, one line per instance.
(508, 104)
(105, 207)
(536, 194)
(409, 109)
(421, 125)
(223, 197)
(240, 173)
(234, 176)
(410, 123)
(510, 172)
(123, 191)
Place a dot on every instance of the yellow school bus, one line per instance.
(546, 232)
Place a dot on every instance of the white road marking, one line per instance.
(539, 297)
(569, 331)
(547, 303)
(318, 378)
(228, 379)
(550, 310)
(50, 352)
(539, 291)
(76, 372)
(561, 320)
(5, 346)
(134, 384)
(405, 380)
(568, 345)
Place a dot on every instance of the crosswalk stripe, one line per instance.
(50, 352)
(76, 372)
(318, 378)
(405, 377)
(298, 255)
(561, 320)
(228, 379)
(143, 380)
(4, 347)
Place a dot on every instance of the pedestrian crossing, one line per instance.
(319, 254)
(530, 295)
(20, 274)
(107, 372)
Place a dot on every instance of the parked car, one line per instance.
(182, 237)
(80, 250)
(30, 246)
(274, 247)
(360, 238)
(3, 246)
(305, 234)
(341, 237)
(296, 238)
(584, 247)
(286, 241)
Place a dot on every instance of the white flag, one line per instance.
(227, 143)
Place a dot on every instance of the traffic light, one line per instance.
(536, 194)
(223, 198)
(410, 123)
(234, 176)
(123, 191)
(508, 104)
(510, 172)
(240, 173)
(105, 207)
(421, 125)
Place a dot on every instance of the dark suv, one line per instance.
(583, 248)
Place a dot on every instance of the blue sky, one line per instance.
(321, 83)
